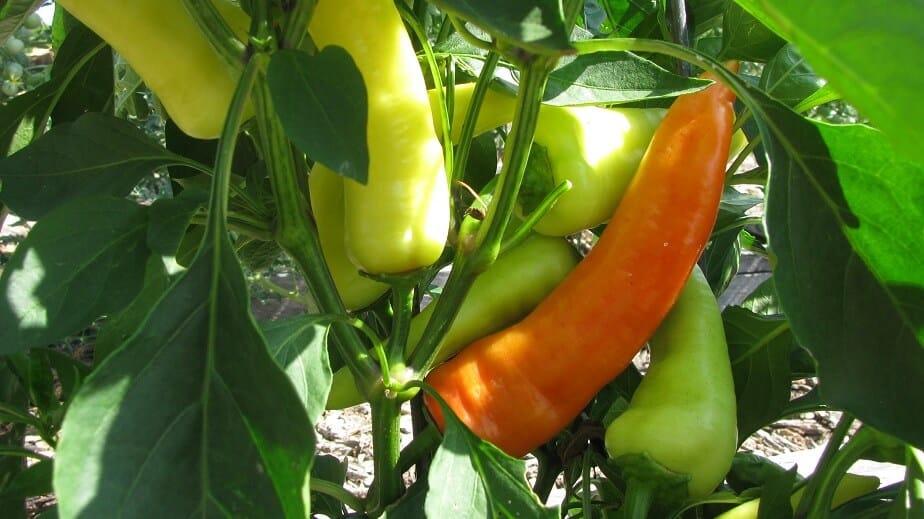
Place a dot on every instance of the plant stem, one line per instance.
(337, 492)
(221, 37)
(471, 117)
(637, 500)
(467, 267)
(403, 294)
(297, 234)
(386, 447)
(828, 471)
(297, 24)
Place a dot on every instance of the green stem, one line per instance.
(586, 492)
(524, 230)
(422, 445)
(297, 234)
(639, 495)
(831, 467)
(467, 267)
(471, 117)
(337, 492)
(222, 38)
(401, 322)
(297, 24)
(739, 160)
(386, 447)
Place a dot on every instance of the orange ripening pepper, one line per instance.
(519, 387)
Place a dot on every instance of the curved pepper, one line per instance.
(597, 149)
(501, 295)
(325, 189)
(519, 387)
(683, 413)
(163, 43)
(399, 220)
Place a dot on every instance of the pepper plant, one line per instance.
(374, 144)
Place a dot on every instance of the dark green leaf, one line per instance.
(775, 495)
(613, 77)
(331, 470)
(321, 101)
(789, 78)
(745, 37)
(121, 325)
(12, 13)
(705, 14)
(24, 117)
(629, 17)
(33, 481)
(95, 155)
(763, 300)
(170, 217)
(83, 260)
(192, 407)
(472, 478)
(750, 470)
(870, 66)
(844, 213)
(85, 89)
(759, 350)
(299, 346)
(533, 25)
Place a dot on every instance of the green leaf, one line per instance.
(95, 155)
(864, 52)
(33, 481)
(625, 17)
(331, 470)
(745, 37)
(24, 117)
(321, 101)
(536, 26)
(299, 346)
(83, 260)
(613, 77)
(118, 327)
(472, 478)
(844, 217)
(759, 350)
(12, 13)
(191, 416)
(170, 217)
(789, 78)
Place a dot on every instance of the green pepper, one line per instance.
(162, 42)
(519, 279)
(325, 189)
(597, 149)
(683, 413)
(849, 488)
(399, 220)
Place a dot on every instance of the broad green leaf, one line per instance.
(472, 478)
(844, 219)
(321, 101)
(33, 481)
(745, 37)
(83, 260)
(12, 13)
(789, 78)
(613, 77)
(759, 350)
(536, 26)
(24, 117)
(88, 88)
(629, 17)
(191, 417)
(299, 346)
(866, 52)
(170, 217)
(720, 259)
(119, 326)
(330, 469)
(94, 155)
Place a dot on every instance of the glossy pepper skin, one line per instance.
(519, 387)
(683, 413)
(399, 220)
(597, 149)
(519, 279)
(325, 189)
(163, 43)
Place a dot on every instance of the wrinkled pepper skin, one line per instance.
(163, 43)
(399, 220)
(519, 279)
(326, 192)
(519, 387)
(597, 149)
(683, 413)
